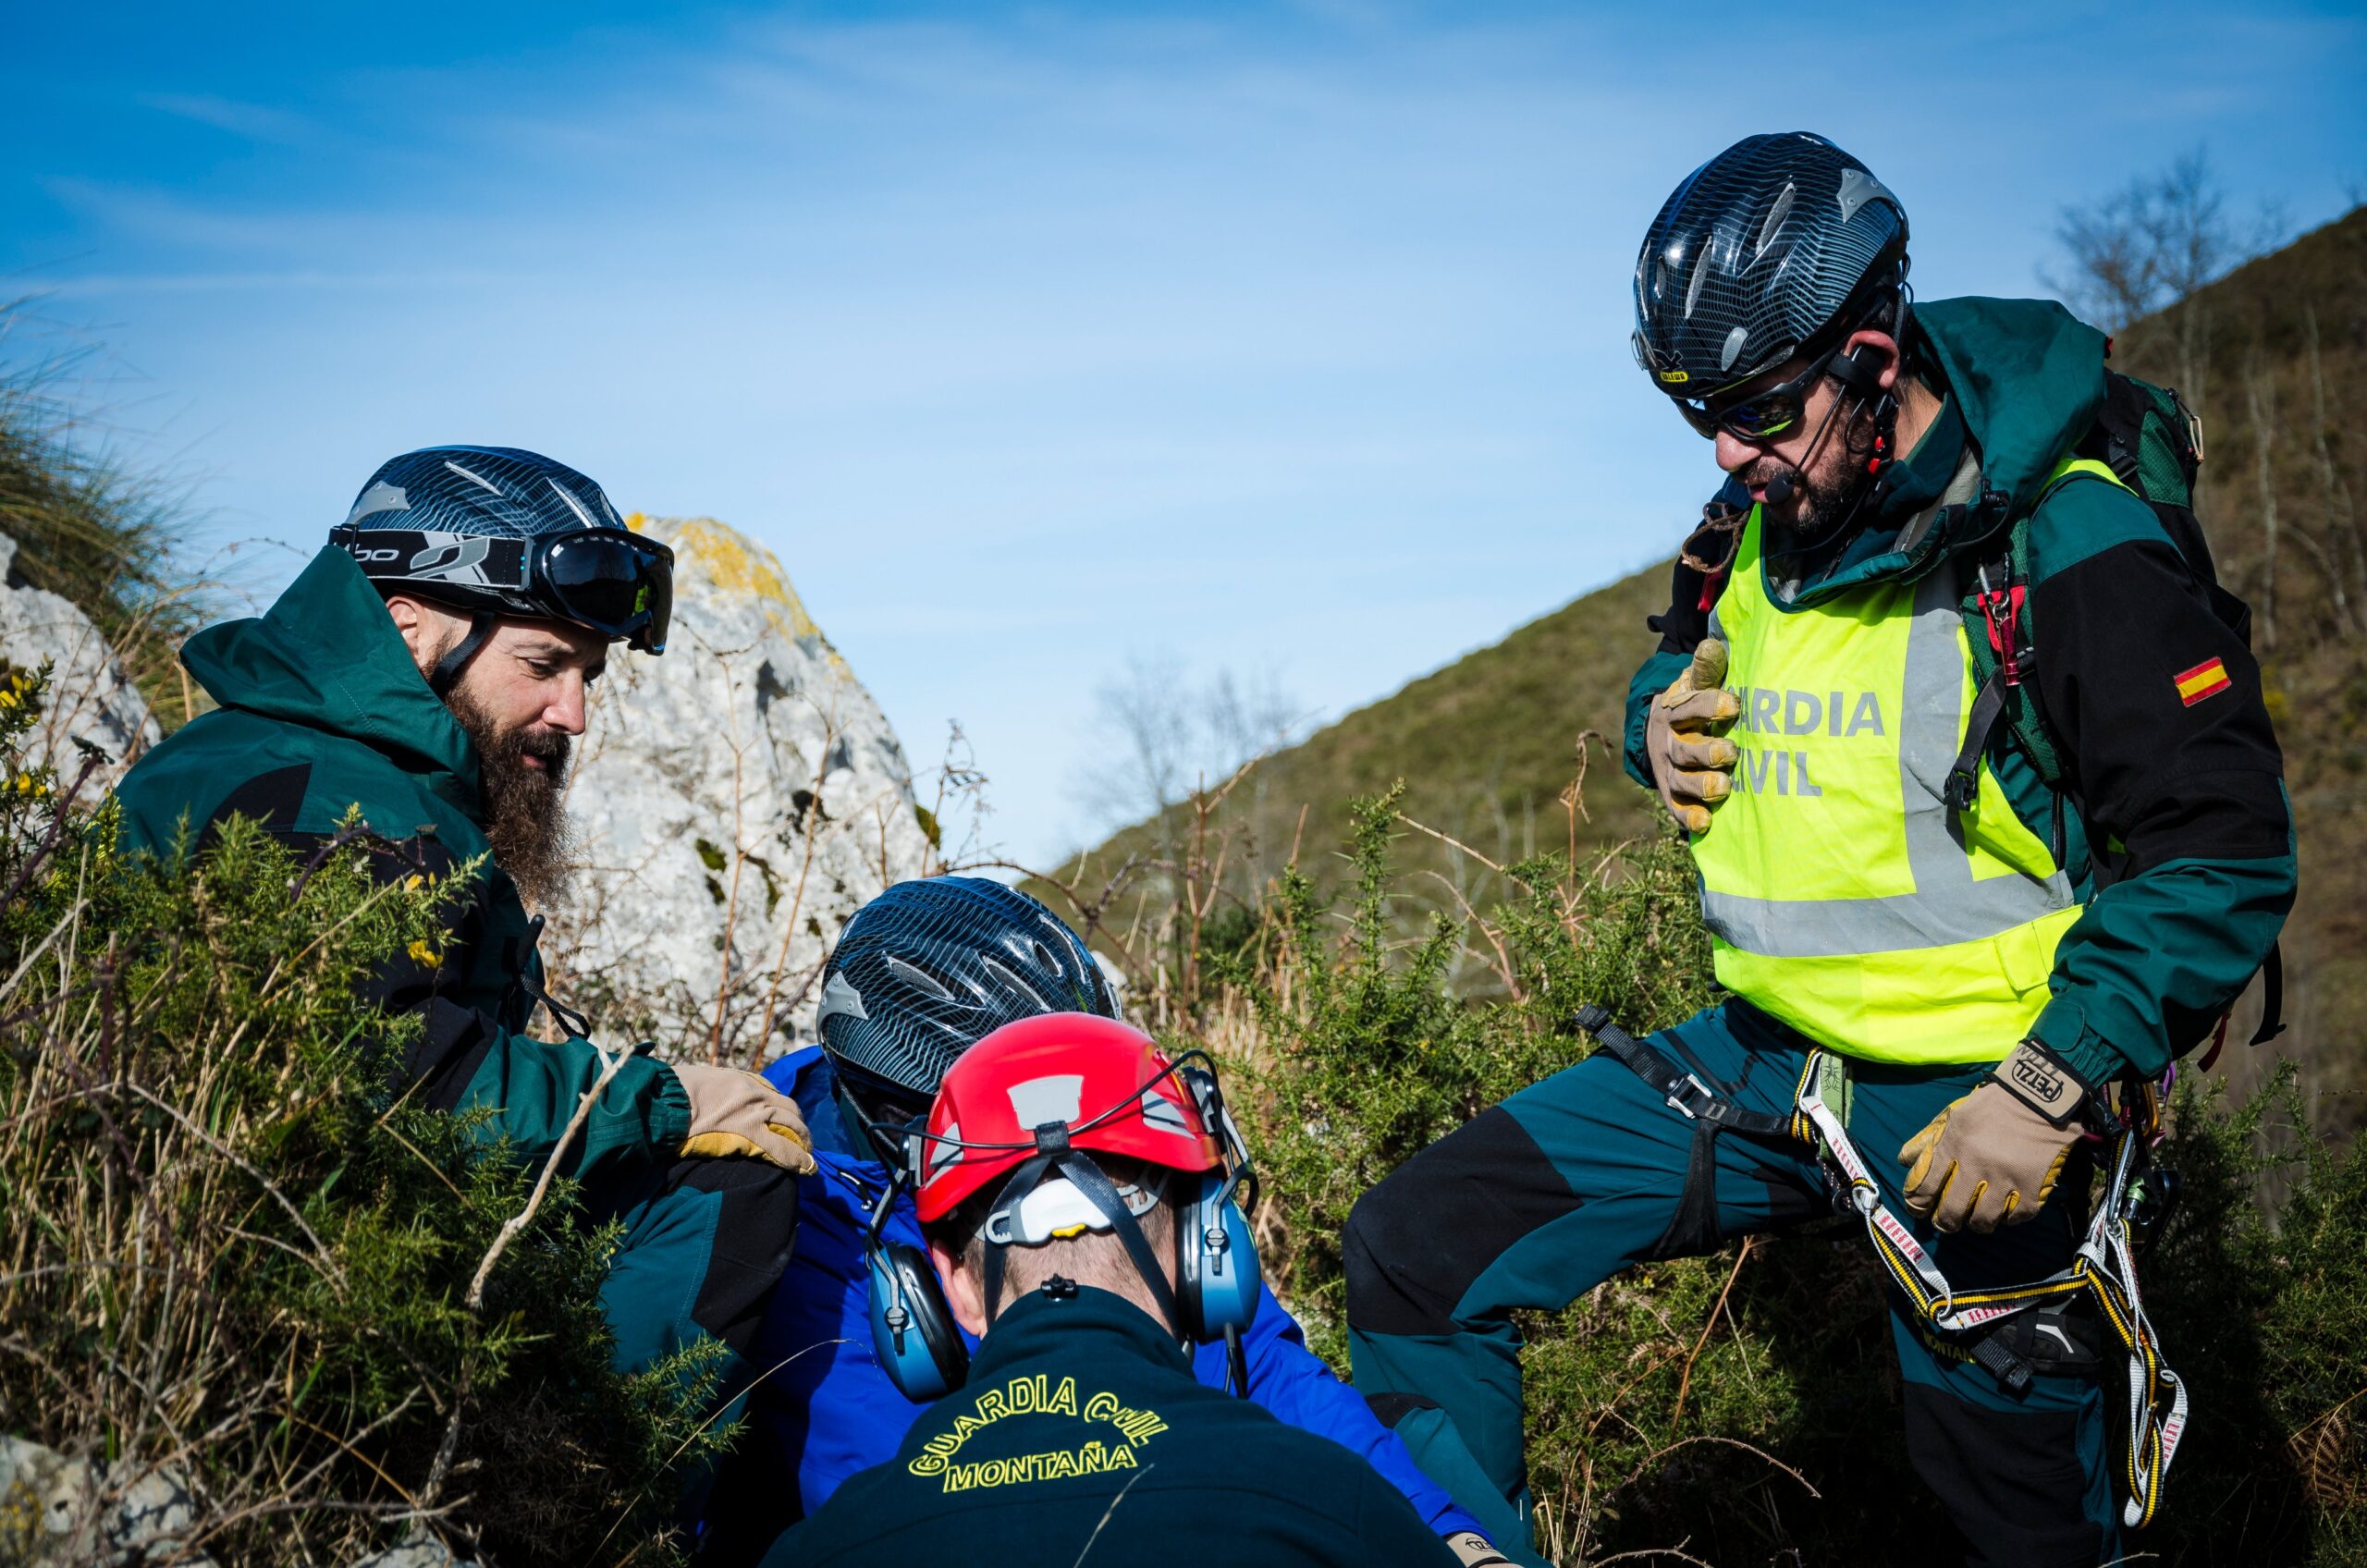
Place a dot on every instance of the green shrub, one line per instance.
(235, 1259)
(1744, 1407)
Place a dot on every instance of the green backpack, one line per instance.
(2149, 442)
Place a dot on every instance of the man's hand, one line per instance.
(738, 1113)
(1992, 1158)
(1689, 764)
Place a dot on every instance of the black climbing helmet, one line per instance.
(495, 530)
(1778, 246)
(931, 966)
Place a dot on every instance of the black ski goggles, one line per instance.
(1763, 415)
(605, 580)
(620, 584)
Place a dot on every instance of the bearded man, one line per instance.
(428, 673)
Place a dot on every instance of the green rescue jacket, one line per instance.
(322, 712)
(2170, 822)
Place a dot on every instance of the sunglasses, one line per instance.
(1761, 416)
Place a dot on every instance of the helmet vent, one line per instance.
(1012, 982)
(1701, 276)
(921, 979)
(1775, 216)
(573, 505)
(472, 478)
(1727, 355)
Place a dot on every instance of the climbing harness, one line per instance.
(2105, 1268)
(2137, 1198)
(1694, 1227)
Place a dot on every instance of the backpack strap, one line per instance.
(1999, 627)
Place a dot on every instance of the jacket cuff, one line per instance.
(669, 1117)
(2062, 1031)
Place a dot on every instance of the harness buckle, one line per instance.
(1705, 1097)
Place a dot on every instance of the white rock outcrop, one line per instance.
(735, 800)
(77, 1514)
(91, 699)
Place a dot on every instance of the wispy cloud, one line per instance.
(93, 284)
(1287, 336)
(255, 122)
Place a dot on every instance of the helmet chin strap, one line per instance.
(446, 673)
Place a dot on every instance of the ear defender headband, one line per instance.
(912, 1330)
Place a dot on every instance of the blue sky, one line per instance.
(1034, 338)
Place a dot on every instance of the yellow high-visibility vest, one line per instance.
(1841, 893)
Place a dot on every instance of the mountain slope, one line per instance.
(2274, 359)
(1485, 747)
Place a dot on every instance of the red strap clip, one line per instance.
(2005, 640)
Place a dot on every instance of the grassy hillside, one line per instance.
(1488, 748)
(2275, 357)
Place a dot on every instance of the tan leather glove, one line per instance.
(1689, 763)
(1992, 1158)
(736, 1113)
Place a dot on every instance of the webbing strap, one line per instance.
(1988, 706)
(1679, 1085)
(2272, 995)
(2106, 1266)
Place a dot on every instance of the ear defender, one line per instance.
(913, 1332)
(1216, 1263)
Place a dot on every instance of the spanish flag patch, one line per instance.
(2205, 679)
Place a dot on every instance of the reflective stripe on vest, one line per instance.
(1841, 893)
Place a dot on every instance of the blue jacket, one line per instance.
(832, 1409)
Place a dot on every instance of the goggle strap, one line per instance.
(461, 561)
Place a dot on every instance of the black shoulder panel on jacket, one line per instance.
(447, 1052)
(274, 799)
(2157, 704)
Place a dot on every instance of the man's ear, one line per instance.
(425, 629)
(1879, 347)
(963, 1294)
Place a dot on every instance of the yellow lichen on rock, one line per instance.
(736, 564)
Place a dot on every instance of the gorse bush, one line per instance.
(1744, 1407)
(240, 1266)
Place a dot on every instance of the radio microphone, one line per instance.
(1778, 490)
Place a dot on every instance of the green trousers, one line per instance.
(1537, 1200)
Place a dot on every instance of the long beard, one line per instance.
(525, 808)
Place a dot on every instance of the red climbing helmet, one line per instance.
(1107, 1084)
